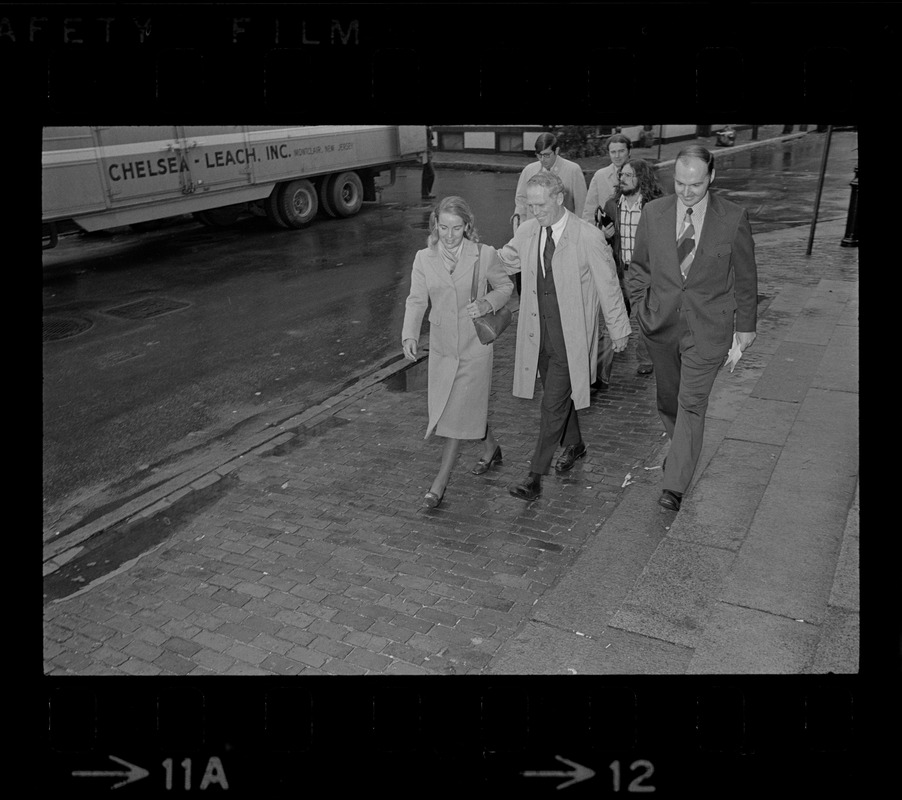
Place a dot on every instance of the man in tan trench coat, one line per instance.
(568, 273)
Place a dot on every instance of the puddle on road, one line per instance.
(115, 548)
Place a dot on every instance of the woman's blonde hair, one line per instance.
(459, 207)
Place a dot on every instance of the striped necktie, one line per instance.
(686, 244)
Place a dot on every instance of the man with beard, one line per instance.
(638, 185)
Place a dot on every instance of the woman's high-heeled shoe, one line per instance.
(432, 499)
(483, 466)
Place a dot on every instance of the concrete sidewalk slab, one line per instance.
(748, 641)
(840, 641)
(839, 370)
(673, 597)
(786, 565)
(590, 593)
(764, 421)
(541, 649)
(723, 503)
(790, 372)
(844, 594)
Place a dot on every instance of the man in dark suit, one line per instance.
(694, 283)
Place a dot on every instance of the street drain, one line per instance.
(56, 328)
(144, 309)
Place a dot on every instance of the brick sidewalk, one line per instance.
(316, 556)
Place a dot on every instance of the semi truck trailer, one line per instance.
(106, 177)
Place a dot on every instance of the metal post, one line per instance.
(851, 237)
(820, 188)
(754, 133)
(660, 139)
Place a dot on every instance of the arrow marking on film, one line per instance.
(134, 773)
(579, 773)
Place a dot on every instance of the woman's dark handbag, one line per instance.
(489, 326)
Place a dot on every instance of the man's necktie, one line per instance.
(548, 252)
(686, 243)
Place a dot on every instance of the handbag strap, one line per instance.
(475, 287)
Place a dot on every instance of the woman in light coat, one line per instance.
(460, 366)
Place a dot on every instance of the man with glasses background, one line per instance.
(604, 182)
(638, 185)
(548, 160)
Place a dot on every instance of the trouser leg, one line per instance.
(665, 357)
(605, 357)
(559, 422)
(683, 381)
(642, 356)
(697, 376)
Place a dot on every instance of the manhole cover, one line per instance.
(143, 309)
(56, 328)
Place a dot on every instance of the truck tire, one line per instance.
(325, 199)
(298, 203)
(346, 194)
(271, 205)
(219, 217)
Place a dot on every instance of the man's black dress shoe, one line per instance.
(599, 386)
(433, 500)
(571, 453)
(530, 489)
(671, 500)
(483, 466)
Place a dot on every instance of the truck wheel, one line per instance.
(271, 205)
(219, 217)
(325, 195)
(298, 203)
(346, 194)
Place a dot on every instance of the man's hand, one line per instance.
(608, 231)
(619, 345)
(410, 349)
(745, 339)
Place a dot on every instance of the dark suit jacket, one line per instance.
(722, 283)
